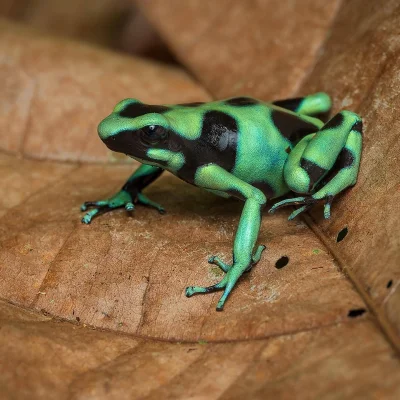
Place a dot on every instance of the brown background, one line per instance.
(93, 312)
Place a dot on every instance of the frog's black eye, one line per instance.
(152, 134)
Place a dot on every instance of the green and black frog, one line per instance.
(239, 147)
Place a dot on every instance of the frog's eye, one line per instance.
(152, 134)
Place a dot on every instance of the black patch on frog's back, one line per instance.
(242, 101)
(314, 171)
(216, 145)
(289, 104)
(134, 110)
(291, 126)
(195, 104)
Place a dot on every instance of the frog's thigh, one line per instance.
(337, 143)
(317, 103)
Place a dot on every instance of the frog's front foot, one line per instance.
(233, 273)
(121, 199)
(306, 203)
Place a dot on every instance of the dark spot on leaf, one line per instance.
(342, 234)
(282, 262)
(357, 312)
(389, 284)
(78, 319)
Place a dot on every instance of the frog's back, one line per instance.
(248, 114)
(247, 137)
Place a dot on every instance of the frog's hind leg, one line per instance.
(315, 104)
(332, 153)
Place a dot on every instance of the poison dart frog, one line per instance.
(240, 147)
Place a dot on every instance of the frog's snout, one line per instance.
(106, 129)
(111, 131)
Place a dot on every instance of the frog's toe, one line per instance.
(287, 202)
(87, 218)
(191, 290)
(129, 206)
(256, 257)
(306, 203)
(217, 261)
(327, 210)
(142, 199)
(97, 204)
(295, 213)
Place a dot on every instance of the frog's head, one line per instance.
(134, 128)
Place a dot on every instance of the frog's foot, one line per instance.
(226, 267)
(121, 199)
(233, 273)
(218, 262)
(306, 203)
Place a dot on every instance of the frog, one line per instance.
(240, 147)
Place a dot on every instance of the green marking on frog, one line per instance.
(240, 147)
(174, 161)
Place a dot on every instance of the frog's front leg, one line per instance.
(216, 178)
(324, 164)
(130, 194)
